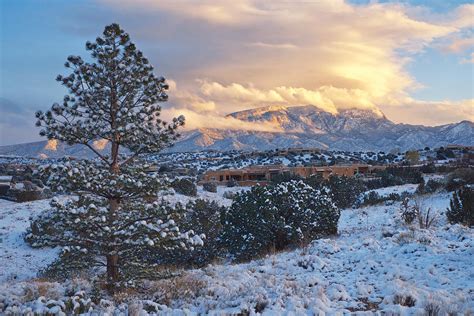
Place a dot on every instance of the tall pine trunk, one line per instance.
(113, 257)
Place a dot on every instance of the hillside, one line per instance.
(308, 126)
(375, 263)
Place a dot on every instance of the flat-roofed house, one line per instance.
(264, 174)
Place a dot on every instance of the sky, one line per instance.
(411, 60)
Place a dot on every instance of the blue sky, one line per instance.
(212, 58)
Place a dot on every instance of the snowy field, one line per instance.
(17, 260)
(375, 263)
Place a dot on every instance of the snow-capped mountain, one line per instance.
(309, 126)
(296, 126)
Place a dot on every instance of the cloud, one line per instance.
(460, 44)
(468, 60)
(273, 45)
(195, 120)
(16, 122)
(233, 55)
(431, 112)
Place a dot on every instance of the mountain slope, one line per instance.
(308, 126)
(300, 126)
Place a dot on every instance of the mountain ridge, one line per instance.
(298, 126)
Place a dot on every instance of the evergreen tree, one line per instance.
(111, 99)
(461, 208)
(345, 190)
(276, 217)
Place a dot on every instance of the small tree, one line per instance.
(461, 208)
(412, 156)
(345, 190)
(114, 100)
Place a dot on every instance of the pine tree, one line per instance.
(112, 99)
(461, 208)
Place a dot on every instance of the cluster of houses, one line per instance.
(264, 174)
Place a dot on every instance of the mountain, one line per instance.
(50, 149)
(296, 126)
(309, 126)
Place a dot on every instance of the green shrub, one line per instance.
(275, 217)
(284, 177)
(459, 178)
(433, 186)
(210, 187)
(345, 190)
(203, 217)
(184, 186)
(373, 198)
(461, 208)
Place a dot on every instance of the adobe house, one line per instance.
(264, 174)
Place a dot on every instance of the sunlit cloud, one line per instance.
(329, 53)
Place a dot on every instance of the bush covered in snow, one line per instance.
(203, 217)
(373, 198)
(210, 187)
(430, 186)
(185, 186)
(345, 190)
(461, 208)
(275, 217)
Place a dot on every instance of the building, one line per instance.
(264, 174)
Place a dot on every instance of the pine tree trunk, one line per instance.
(112, 268)
(113, 259)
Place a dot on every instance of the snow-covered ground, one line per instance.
(399, 189)
(375, 263)
(17, 260)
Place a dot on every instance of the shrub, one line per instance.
(459, 178)
(315, 181)
(184, 186)
(461, 208)
(425, 218)
(285, 177)
(395, 176)
(433, 186)
(421, 188)
(210, 187)
(275, 217)
(203, 217)
(428, 168)
(408, 212)
(345, 191)
(372, 198)
(229, 195)
(232, 183)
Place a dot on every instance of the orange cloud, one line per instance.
(328, 53)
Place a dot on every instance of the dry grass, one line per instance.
(404, 300)
(40, 287)
(185, 287)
